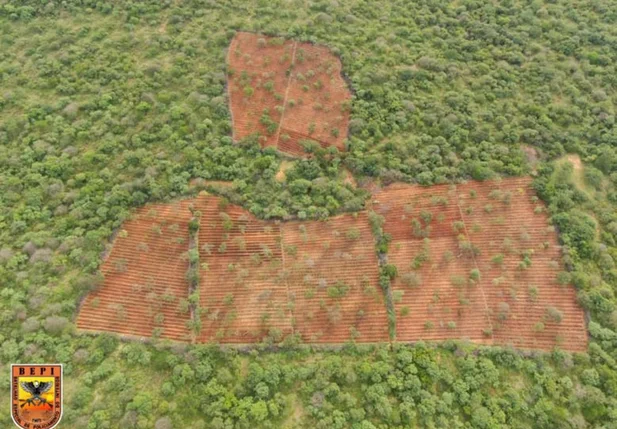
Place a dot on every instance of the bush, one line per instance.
(55, 324)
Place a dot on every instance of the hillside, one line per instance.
(420, 121)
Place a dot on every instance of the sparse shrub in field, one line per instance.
(120, 265)
(504, 311)
(339, 290)
(458, 226)
(266, 251)
(488, 208)
(119, 310)
(159, 319)
(222, 248)
(538, 327)
(451, 324)
(507, 245)
(488, 332)
(473, 193)
(426, 216)
(183, 306)
(334, 314)
(533, 292)
(353, 234)
(495, 194)
(474, 274)
(466, 247)
(421, 257)
(448, 256)
(428, 325)
(411, 279)
(397, 296)
(353, 332)
(418, 231)
(248, 91)
(458, 280)
(240, 242)
(526, 262)
(554, 314)
(499, 220)
(227, 222)
(228, 299)
(438, 200)
(507, 198)
(498, 259)
(404, 311)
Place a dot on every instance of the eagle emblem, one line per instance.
(36, 395)
(36, 389)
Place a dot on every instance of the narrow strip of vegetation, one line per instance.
(192, 274)
(387, 272)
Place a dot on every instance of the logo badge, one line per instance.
(36, 395)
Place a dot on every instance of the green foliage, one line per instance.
(109, 105)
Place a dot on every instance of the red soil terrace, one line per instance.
(144, 276)
(258, 278)
(319, 279)
(298, 85)
(489, 227)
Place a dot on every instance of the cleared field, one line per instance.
(145, 284)
(478, 261)
(332, 271)
(286, 92)
(257, 278)
(243, 294)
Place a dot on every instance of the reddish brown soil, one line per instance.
(509, 304)
(144, 276)
(319, 279)
(332, 273)
(298, 84)
(257, 278)
(243, 293)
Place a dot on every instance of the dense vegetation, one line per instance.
(105, 106)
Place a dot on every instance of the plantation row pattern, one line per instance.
(477, 261)
(286, 92)
(258, 279)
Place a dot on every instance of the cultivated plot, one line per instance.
(286, 92)
(478, 261)
(144, 292)
(258, 279)
(332, 271)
